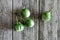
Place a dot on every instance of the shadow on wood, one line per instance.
(17, 13)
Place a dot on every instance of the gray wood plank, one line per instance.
(50, 28)
(17, 4)
(54, 21)
(28, 33)
(1, 33)
(6, 19)
(41, 23)
(34, 7)
(58, 31)
(32, 33)
(0, 15)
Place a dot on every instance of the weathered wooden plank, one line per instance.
(28, 33)
(54, 21)
(34, 7)
(58, 31)
(6, 19)
(32, 33)
(0, 15)
(41, 23)
(17, 4)
(1, 33)
(50, 28)
(47, 35)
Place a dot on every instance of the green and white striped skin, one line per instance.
(18, 27)
(25, 13)
(29, 22)
(46, 16)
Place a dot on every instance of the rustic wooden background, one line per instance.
(41, 31)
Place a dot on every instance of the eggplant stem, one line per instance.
(51, 9)
(24, 7)
(16, 19)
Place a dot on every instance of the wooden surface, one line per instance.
(41, 30)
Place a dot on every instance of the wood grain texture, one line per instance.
(41, 23)
(32, 33)
(58, 31)
(28, 33)
(50, 28)
(41, 31)
(17, 4)
(1, 33)
(6, 19)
